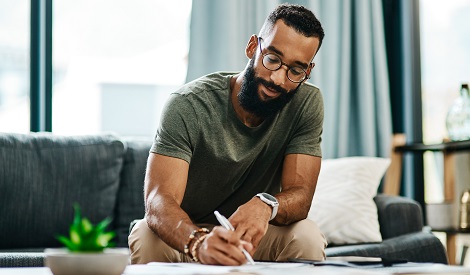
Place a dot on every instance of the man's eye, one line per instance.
(272, 59)
(296, 71)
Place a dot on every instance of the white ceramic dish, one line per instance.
(111, 261)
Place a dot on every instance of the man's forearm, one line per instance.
(299, 180)
(166, 218)
(294, 205)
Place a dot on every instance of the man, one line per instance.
(246, 145)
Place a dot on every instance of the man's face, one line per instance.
(251, 101)
(265, 92)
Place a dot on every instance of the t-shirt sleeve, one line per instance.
(177, 129)
(307, 135)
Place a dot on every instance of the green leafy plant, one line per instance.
(86, 237)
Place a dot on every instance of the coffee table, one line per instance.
(271, 269)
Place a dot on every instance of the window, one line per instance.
(445, 42)
(115, 63)
(14, 65)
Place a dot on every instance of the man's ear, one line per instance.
(312, 65)
(251, 47)
(310, 68)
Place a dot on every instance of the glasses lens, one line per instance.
(271, 62)
(296, 74)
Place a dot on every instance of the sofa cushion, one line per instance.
(42, 175)
(130, 198)
(343, 205)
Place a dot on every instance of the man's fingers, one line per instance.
(216, 257)
(227, 235)
(253, 236)
(246, 245)
(222, 247)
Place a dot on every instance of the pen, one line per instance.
(227, 225)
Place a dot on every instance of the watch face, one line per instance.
(268, 198)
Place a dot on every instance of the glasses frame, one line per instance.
(307, 76)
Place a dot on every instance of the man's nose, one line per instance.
(279, 77)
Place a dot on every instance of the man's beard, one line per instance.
(250, 100)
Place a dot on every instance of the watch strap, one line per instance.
(271, 201)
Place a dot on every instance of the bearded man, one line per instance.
(245, 144)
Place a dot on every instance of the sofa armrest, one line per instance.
(21, 259)
(421, 247)
(398, 215)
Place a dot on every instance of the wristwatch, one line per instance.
(271, 201)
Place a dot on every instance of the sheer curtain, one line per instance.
(220, 31)
(351, 66)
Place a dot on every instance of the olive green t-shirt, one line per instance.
(229, 162)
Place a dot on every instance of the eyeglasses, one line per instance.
(273, 62)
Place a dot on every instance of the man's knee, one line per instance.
(302, 239)
(145, 246)
(307, 241)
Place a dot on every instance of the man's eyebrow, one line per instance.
(278, 52)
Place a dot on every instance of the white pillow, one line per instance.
(343, 205)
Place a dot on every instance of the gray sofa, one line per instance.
(403, 234)
(42, 175)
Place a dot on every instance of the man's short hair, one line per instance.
(297, 17)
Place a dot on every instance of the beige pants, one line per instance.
(302, 239)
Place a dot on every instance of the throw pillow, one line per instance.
(343, 205)
(42, 175)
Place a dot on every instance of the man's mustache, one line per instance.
(272, 86)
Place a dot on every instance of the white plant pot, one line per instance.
(112, 261)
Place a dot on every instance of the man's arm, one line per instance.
(165, 184)
(299, 179)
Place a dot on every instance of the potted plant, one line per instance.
(87, 249)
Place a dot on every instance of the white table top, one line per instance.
(263, 268)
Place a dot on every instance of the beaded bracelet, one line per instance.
(195, 246)
(191, 237)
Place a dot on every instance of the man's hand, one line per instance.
(251, 221)
(223, 247)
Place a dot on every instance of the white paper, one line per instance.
(194, 268)
(261, 268)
